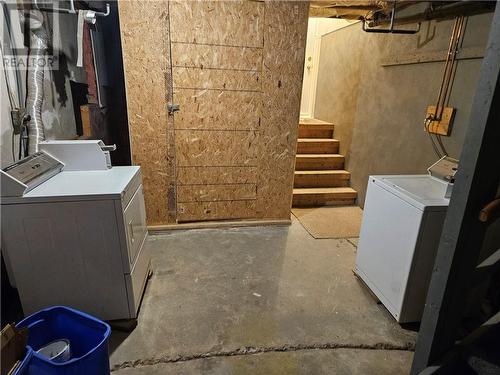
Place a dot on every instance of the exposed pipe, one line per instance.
(442, 12)
(391, 29)
(34, 100)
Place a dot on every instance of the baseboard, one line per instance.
(216, 224)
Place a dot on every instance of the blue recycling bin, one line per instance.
(87, 337)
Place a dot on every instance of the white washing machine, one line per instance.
(75, 238)
(402, 223)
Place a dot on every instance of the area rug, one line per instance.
(330, 222)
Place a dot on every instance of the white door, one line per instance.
(309, 80)
(316, 28)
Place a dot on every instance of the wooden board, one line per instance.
(235, 69)
(444, 125)
(218, 175)
(217, 68)
(159, 229)
(285, 31)
(336, 196)
(229, 23)
(210, 109)
(204, 56)
(224, 210)
(326, 178)
(216, 193)
(216, 79)
(86, 126)
(216, 148)
(145, 38)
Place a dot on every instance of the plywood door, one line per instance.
(216, 71)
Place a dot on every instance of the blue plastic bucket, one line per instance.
(87, 336)
(23, 367)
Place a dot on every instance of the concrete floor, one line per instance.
(262, 300)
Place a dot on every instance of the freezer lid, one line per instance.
(422, 191)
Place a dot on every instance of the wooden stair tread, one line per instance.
(314, 197)
(325, 126)
(329, 171)
(311, 162)
(313, 121)
(317, 146)
(316, 130)
(319, 177)
(313, 156)
(339, 190)
(326, 140)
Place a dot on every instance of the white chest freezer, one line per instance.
(400, 232)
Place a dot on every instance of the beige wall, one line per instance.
(378, 111)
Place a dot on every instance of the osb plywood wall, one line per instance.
(146, 58)
(235, 69)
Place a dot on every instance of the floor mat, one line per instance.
(330, 222)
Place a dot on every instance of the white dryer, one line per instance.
(77, 238)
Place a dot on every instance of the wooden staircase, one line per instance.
(320, 179)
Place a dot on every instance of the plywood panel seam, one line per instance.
(172, 186)
(220, 184)
(214, 89)
(211, 68)
(218, 130)
(218, 45)
(221, 200)
(218, 166)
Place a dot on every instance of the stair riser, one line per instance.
(314, 200)
(315, 133)
(306, 181)
(319, 163)
(317, 148)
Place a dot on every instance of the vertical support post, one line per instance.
(476, 184)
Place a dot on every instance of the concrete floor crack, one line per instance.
(252, 350)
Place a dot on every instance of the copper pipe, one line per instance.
(450, 46)
(454, 52)
(443, 95)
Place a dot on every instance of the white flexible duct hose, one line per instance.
(34, 100)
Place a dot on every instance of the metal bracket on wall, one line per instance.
(391, 29)
(172, 108)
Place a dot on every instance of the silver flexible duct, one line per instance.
(34, 100)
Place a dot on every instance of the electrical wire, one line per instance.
(427, 123)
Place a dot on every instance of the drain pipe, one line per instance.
(34, 98)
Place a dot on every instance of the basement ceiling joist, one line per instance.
(378, 12)
(357, 9)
